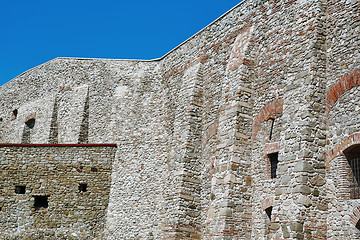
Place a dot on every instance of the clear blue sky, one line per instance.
(35, 31)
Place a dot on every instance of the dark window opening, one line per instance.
(30, 123)
(272, 126)
(268, 212)
(15, 113)
(274, 160)
(358, 225)
(94, 169)
(354, 182)
(82, 187)
(20, 189)
(352, 154)
(40, 202)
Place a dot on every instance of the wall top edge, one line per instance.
(136, 60)
(57, 145)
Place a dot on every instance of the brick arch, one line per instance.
(237, 55)
(355, 216)
(351, 140)
(271, 108)
(344, 84)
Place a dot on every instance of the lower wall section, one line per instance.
(54, 191)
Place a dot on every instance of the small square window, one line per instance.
(82, 187)
(20, 189)
(40, 202)
(94, 169)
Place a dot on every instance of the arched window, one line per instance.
(352, 155)
(29, 125)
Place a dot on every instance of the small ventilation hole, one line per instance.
(30, 123)
(82, 187)
(20, 189)
(40, 202)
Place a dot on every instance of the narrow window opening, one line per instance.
(94, 169)
(40, 202)
(268, 212)
(82, 187)
(20, 189)
(274, 160)
(15, 113)
(352, 154)
(30, 123)
(272, 126)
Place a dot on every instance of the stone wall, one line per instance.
(193, 127)
(75, 181)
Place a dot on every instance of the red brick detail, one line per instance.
(345, 83)
(339, 148)
(239, 47)
(209, 133)
(268, 149)
(271, 108)
(271, 148)
(344, 191)
(203, 56)
(269, 202)
(355, 216)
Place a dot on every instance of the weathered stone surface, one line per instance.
(200, 130)
(285, 231)
(302, 189)
(298, 227)
(303, 166)
(317, 181)
(274, 226)
(75, 180)
(304, 200)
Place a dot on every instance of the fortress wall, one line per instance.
(210, 50)
(55, 172)
(342, 96)
(192, 129)
(343, 124)
(71, 83)
(343, 39)
(97, 101)
(289, 42)
(142, 181)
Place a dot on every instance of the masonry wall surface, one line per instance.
(193, 128)
(55, 172)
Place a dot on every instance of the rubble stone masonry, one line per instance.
(241, 132)
(54, 191)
